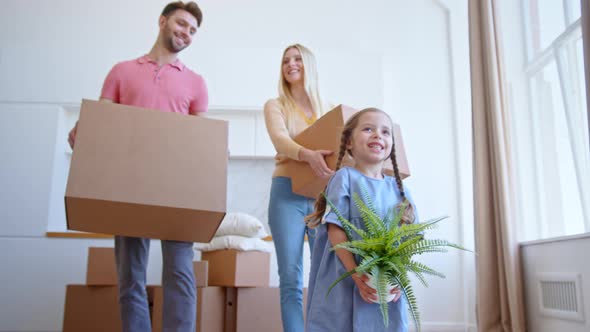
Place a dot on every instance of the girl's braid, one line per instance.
(408, 216)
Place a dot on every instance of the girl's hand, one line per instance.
(317, 162)
(368, 293)
(398, 293)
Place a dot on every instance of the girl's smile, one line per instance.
(371, 141)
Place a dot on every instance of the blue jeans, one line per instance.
(178, 283)
(286, 211)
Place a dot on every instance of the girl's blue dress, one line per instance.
(344, 310)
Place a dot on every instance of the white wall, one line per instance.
(409, 57)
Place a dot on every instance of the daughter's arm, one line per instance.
(336, 236)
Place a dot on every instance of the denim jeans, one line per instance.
(178, 283)
(285, 217)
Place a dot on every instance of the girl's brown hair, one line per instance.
(408, 216)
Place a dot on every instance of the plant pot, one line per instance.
(371, 282)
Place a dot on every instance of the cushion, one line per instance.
(242, 224)
(235, 242)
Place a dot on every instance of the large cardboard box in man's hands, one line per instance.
(325, 134)
(147, 173)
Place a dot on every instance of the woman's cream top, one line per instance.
(281, 134)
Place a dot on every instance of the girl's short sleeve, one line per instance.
(338, 194)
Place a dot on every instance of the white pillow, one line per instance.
(242, 224)
(235, 242)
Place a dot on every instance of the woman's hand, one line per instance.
(368, 293)
(317, 162)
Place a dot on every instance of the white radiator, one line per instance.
(560, 295)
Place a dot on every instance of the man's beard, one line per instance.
(170, 46)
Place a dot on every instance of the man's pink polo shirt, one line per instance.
(169, 88)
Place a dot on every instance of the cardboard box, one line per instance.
(146, 173)
(233, 268)
(96, 308)
(101, 269)
(210, 308)
(325, 134)
(254, 309)
(91, 309)
(201, 269)
(156, 303)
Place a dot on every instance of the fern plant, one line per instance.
(386, 250)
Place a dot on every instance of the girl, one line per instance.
(298, 106)
(368, 138)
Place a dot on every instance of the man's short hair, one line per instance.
(190, 7)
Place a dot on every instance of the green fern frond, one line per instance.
(381, 281)
(367, 263)
(407, 243)
(404, 284)
(424, 246)
(388, 219)
(346, 225)
(367, 199)
(415, 229)
(348, 247)
(373, 223)
(368, 244)
(417, 266)
(395, 268)
(342, 277)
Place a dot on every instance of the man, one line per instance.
(158, 80)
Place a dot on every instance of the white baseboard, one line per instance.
(446, 327)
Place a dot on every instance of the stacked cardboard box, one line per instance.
(95, 306)
(250, 304)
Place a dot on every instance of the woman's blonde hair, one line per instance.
(408, 216)
(310, 85)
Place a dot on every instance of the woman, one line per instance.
(297, 107)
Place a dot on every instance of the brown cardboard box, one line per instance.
(91, 309)
(210, 308)
(156, 303)
(96, 308)
(101, 269)
(201, 273)
(146, 173)
(235, 268)
(325, 134)
(254, 309)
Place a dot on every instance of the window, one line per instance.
(545, 76)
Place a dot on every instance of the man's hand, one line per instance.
(72, 136)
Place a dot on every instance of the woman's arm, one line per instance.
(279, 135)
